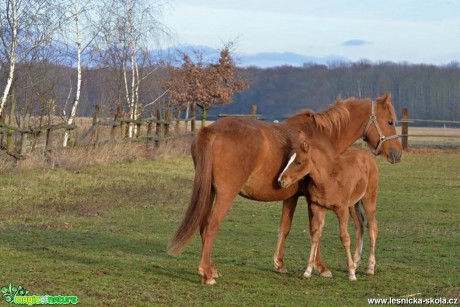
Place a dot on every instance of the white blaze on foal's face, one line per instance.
(289, 163)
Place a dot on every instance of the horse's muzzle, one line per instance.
(394, 156)
(282, 183)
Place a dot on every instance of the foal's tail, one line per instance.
(201, 200)
(358, 219)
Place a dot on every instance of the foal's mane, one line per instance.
(329, 120)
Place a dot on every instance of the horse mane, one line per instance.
(333, 117)
(329, 120)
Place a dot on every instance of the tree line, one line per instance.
(429, 92)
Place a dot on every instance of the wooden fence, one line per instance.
(18, 142)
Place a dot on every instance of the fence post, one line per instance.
(47, 140)
(114, 127)
(192, 123)
(149, 133)
(167, 121)
(158, 129)
(254, 109)
(177, 127)
(138, 128)
(23, 143)
(405, 129)
(95, 116)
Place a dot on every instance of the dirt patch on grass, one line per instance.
(78, 208)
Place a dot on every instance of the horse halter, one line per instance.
(382, 138)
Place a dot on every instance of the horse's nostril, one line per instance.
(281, 183)
(395, 156)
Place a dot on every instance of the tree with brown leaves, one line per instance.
(204, 85)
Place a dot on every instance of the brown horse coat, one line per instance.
(336, 184)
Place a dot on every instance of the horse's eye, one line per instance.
(391, 123)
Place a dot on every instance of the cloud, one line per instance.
(355, 43)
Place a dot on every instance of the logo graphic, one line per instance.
(10, 292)
(18, 295)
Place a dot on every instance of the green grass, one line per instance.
(101, 233)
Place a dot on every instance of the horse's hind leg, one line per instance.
(342, 214)
(203, 232)
(289, 206)
(369, 204)
(221, 207)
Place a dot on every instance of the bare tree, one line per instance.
(82, 30)
(24, 26)
(135, 26)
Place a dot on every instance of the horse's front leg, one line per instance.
(289, 206)
(319, 262)
(318, 215)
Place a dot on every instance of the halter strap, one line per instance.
(382, 138)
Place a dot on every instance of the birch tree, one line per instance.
(135, 26)
(24, 26)
(82, 29)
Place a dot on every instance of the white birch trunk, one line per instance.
(134, 85)
(12, 54)
(76, 101)
(187, 113)
(128, 98)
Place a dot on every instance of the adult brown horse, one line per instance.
(239, 156)
(336, 184)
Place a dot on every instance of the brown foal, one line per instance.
(336, 184)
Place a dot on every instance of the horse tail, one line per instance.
(358, 217)
(202, 197)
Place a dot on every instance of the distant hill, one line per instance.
(274, 59)
(261, 60)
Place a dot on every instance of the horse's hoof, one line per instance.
(370, 272)
(352, 278)
(327, 274)
(209, 282)
(281, 270)
(308, 272)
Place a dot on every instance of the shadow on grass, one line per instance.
(101, 251)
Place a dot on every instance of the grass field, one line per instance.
(100, 233)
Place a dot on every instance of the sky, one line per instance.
(413, 31)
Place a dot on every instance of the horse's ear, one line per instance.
(385, 99)
(305, 146)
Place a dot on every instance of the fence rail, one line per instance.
(19, 141)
